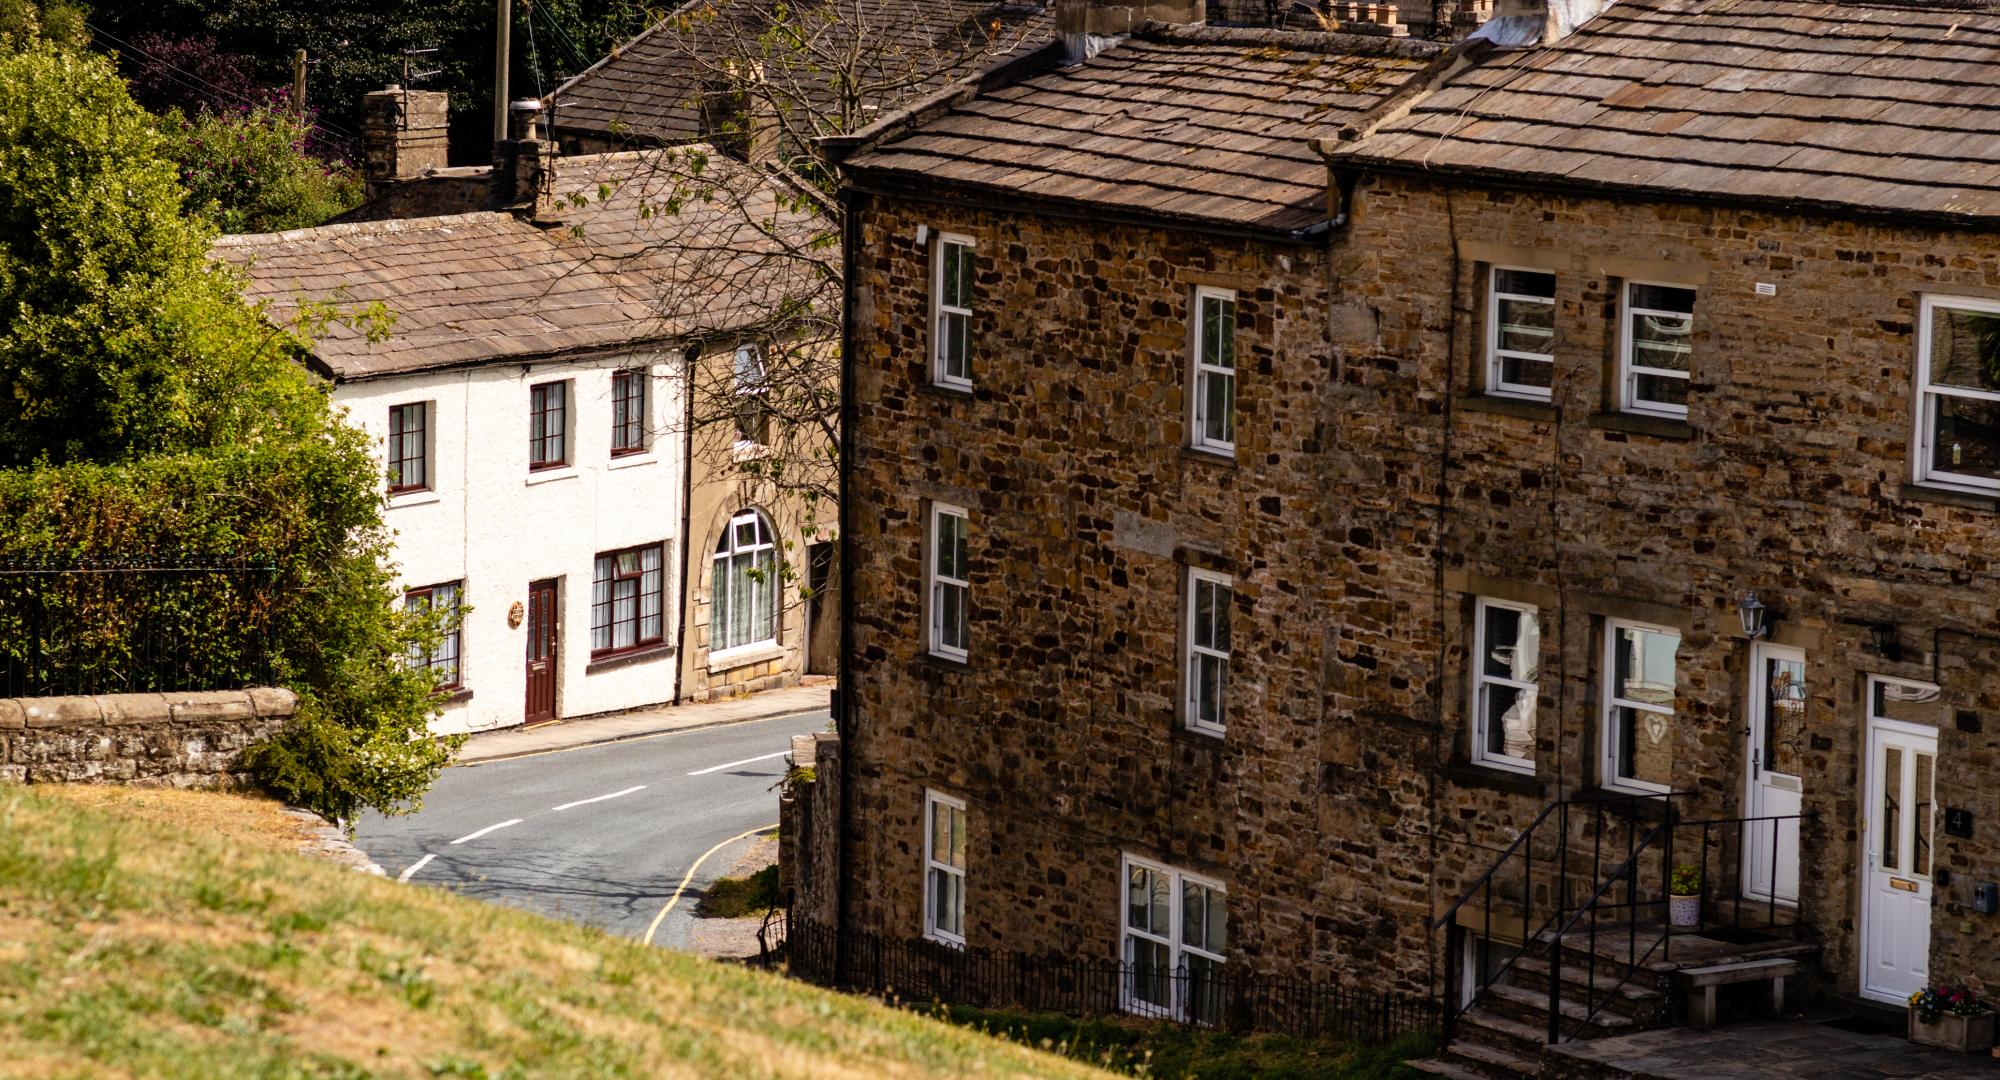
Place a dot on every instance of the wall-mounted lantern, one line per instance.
(1752, 611)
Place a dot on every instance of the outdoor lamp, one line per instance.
(1751, 610)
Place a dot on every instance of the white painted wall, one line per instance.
(489, 522)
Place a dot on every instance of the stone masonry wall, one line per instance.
(173, 740)
(809, 832)
(1789, 477)
(1062, 731)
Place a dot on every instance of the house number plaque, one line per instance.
(514, 615)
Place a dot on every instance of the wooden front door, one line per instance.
(541, 651)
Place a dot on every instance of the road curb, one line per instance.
(633, 735)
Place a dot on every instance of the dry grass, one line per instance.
(160, 933)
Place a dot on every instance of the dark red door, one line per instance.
(541, 651)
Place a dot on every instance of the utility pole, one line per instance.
(299, 83)
(505, 21)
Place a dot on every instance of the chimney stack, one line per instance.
(1088, 27)
(403, 135)
(1538, 22)
(524, 162)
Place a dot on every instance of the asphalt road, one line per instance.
(596, 834)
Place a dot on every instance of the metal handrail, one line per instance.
(1452, 911)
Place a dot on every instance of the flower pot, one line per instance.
(1965, 1034)
(1684, 911)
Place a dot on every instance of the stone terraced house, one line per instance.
(1338, 505)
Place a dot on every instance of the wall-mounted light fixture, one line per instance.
(1752, 611)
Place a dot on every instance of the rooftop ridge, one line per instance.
(360, 228)
(1308, 41)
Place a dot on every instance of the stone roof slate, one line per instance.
(1881, 105)
(1201, 123)
(648, 90)
(622, 270)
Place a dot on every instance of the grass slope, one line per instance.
(176, 934)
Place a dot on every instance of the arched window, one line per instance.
(746, 585)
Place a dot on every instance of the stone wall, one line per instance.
(809, 832)
(1788, 477)
(1063, 731)
(174, 740)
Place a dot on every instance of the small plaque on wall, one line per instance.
(1958, 822)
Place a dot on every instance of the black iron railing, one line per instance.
(920, 971)
(1533, 876)
(138, 623)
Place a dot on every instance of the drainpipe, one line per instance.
(843, 705)
(691, 357)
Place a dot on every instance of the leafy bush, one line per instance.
(144, 406)
(188, 73)
(248, 168)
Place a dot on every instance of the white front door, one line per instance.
(1901, 774)
(1777, 730)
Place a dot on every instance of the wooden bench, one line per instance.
(1701, 984)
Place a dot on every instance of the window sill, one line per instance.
(1524, 408)
(544, 476)
(946, 390)
(627, 461)
(1944, 496)
(934, 662)
(744, 656)
(419, 497)
(1649, 805)
(455, 696)
(1468, 774)
(1224, 458)
(612, 661)
(1658, 427)
(934, 938)
(1204, 732)
(745, 450)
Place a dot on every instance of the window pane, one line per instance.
(1204, 990)
(1527, 326)
(1784, 715)
(1660, 389)
(1218, 345)
(1663, 298)
(1525, 282)
(1911, 704)
(1218, 402)
(951, 616)
(1922, 813)
(764, 586)
(1509, 716)
(719, 614)
(1645, 666)
(1152, 972)
(957, 852)
(1965, 348)
(1211, 675)
(1138, 891)
(1967, 438)
(1662, 341)
(1513, 643)
(1892, 822)
(1519, 372)
(1645, 746)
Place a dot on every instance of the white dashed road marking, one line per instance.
(601, 798)
(733, 764)
(484, 831)
(414, 867)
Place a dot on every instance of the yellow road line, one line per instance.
(682, 887)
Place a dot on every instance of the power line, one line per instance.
(190, 81)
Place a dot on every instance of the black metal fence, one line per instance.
(919, 971)
(135, 624)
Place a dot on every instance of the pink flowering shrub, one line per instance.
(250, 168)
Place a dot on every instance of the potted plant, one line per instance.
(1684, 896)
(1951, 1017)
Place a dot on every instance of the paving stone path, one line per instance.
(1747, 1051)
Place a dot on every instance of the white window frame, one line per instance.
(935, 583)
(1496, 356)
(1178, 880)
(1629, 370)
(1204, 371)
(932, 868)
(1192, 652)
(940, 372)
(1925, 421)
(723, 582)
(1481, 680)
(1608, 713)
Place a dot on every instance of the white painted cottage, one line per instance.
(529, 406)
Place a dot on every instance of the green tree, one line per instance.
(143, 403)
(248, 169)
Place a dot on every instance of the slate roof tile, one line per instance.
(1878, 105)
(1193, 122)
